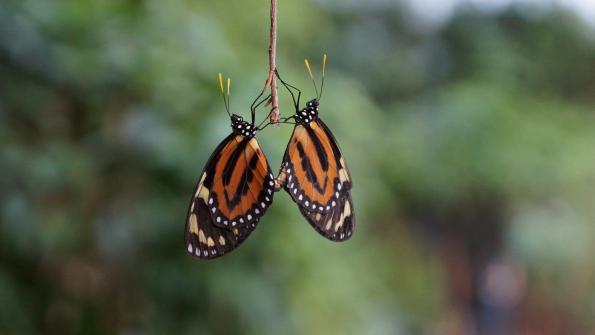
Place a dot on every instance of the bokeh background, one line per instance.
(468, 127)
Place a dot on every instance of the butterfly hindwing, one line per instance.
(204, 239)
(234, 191)
(338, 223)
(318, 180)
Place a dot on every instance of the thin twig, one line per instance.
(272, 80)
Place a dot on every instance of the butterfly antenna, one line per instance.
(225, 101)
(323, 68)
(309, 70)
(228, 95)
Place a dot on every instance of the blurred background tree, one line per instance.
(470, 142)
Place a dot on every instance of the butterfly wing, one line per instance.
(337, 224)
(234, 191)
(241, 184)
(318, 180)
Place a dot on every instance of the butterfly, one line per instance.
(313, 170)
(234, 190)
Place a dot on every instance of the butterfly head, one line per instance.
(307, 114)
(242, 127)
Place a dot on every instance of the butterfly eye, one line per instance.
(236, 118)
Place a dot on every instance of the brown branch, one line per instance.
(272, 79)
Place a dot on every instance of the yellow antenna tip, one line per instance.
(228, 85)
(220, 77)
(323, 63)
(308, 68)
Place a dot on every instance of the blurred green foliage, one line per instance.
(468, 144)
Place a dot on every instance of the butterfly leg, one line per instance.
(288, 86)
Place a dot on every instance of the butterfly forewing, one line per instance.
(234, 191)
(241, 185)
(344, 174)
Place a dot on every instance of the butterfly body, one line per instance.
(307, 114)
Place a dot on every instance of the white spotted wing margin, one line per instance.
(204, 240)
(336, 225)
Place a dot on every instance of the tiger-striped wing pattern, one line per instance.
(317, 178)
(234, 191)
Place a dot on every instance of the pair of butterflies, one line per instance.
(237, 185)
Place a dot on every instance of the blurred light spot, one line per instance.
(503, 284)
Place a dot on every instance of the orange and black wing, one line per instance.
(318, 180)
(234, 191)
(337, 224)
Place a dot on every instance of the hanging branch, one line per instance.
(272, 79)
